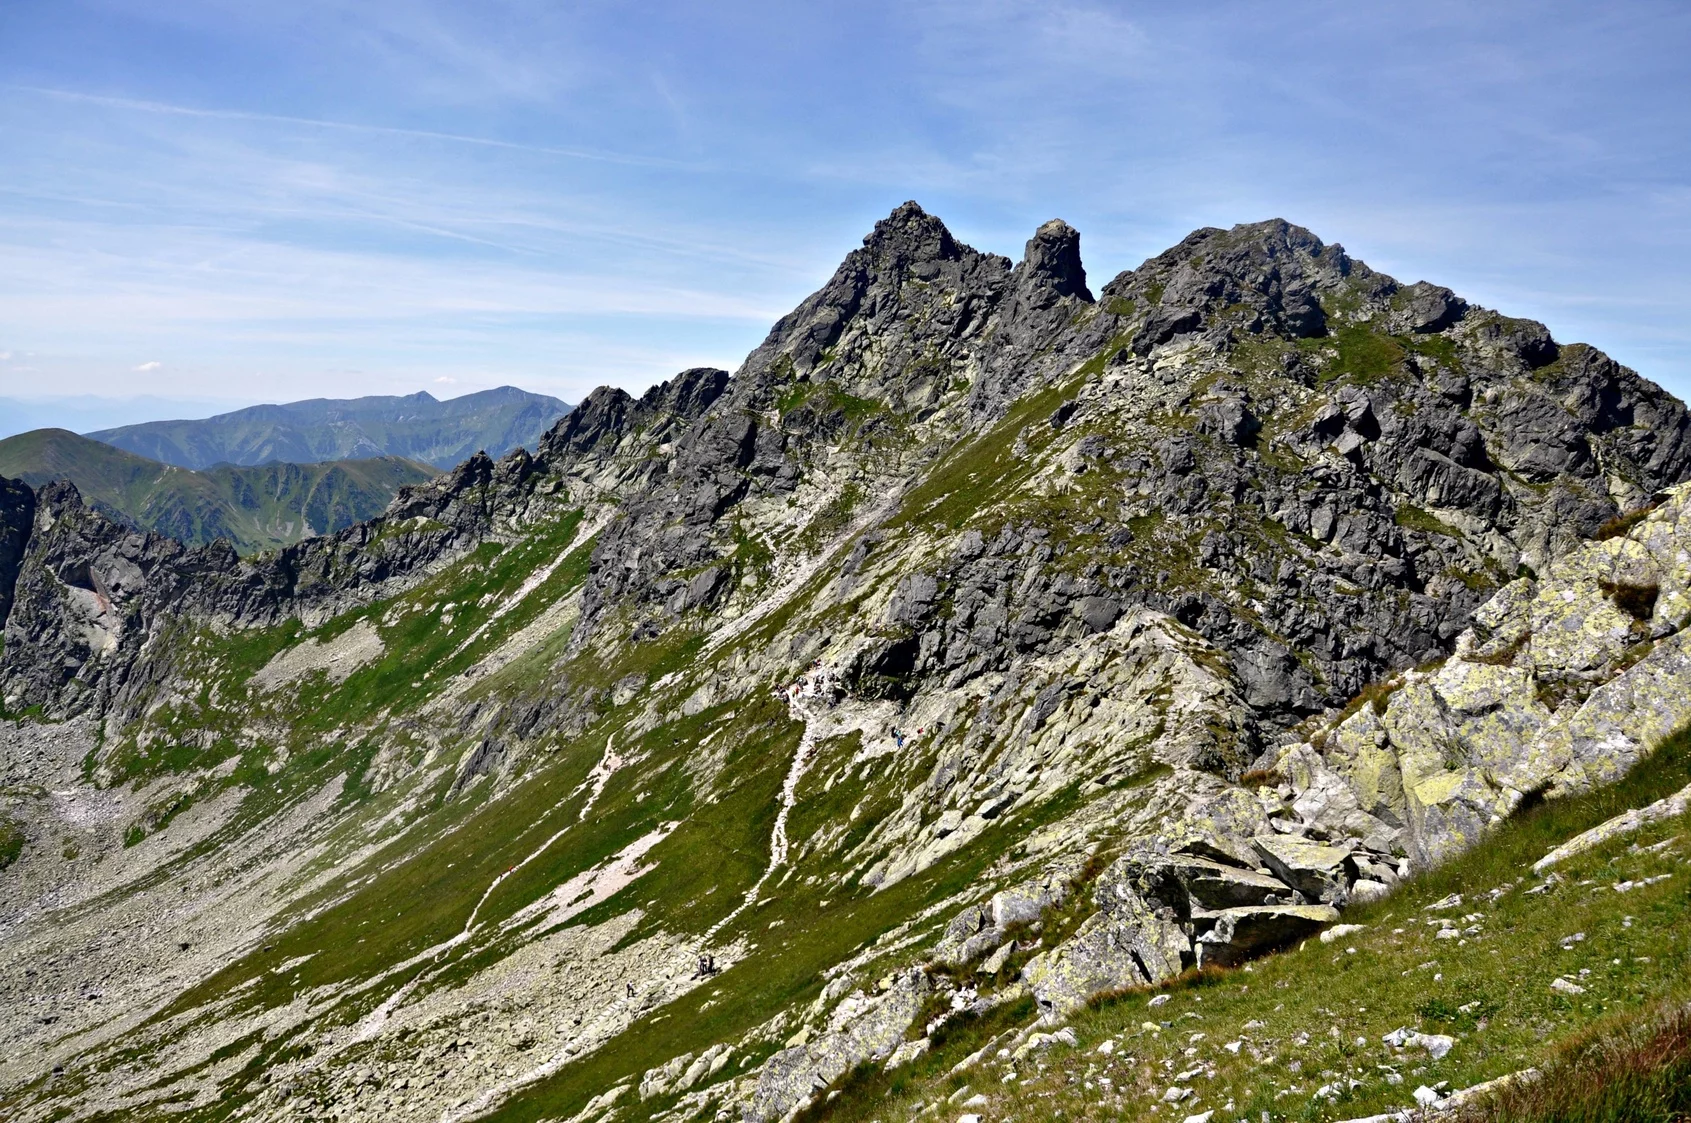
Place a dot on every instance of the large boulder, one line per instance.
(1127, 944)
(1239, 934)
(871, 1030)
(1316, 870)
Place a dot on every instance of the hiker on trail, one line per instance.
(631, 990)
(897, 737)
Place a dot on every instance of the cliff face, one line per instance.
(965, 577)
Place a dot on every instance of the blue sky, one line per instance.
(225, 202)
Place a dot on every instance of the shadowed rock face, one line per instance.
(17, 513)
(859, 654)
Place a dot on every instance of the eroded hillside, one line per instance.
(683, 765)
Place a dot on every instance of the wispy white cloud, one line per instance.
(148, 368)
(138, 105)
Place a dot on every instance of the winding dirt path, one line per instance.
(778, 844)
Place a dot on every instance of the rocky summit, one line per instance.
(986, 646)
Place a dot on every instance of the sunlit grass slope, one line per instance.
(1298, 1036)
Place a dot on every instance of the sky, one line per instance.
(209, 203)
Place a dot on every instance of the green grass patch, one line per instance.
(1364, 356)
(11, 841)
(987, 468)
(1414, 518)
(834, 517)
(1634, 1068)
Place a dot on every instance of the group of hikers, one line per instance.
(817, 682)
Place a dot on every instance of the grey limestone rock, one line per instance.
(1560, 684)
(1239, 933)
(872, 1032)
(1319, 872)
(1103, 554)
(1127, 943)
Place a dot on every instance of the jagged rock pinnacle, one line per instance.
(1053, 258)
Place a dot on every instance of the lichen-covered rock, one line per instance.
(1619, 722)
(1130, 941)
(871, 1033)
(1320, 872)
(1560, 684)
(1070, 567)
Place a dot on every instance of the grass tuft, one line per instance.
(1633, 1069)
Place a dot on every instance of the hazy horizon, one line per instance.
(90, 413)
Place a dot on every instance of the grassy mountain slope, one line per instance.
(435, 819)
(255, 508)
(1300, 1035)
(415, 427)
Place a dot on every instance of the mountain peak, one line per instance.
(910, 230)
(415, 426)
(964, 605)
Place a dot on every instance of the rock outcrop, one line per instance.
(1421, 769)
(1563, 682)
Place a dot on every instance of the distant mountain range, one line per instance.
(255, 507)
(416, 427)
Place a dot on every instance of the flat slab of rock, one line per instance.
(1215, 886)
(1238, 933)
(1625, 823)
(1312, 868)
(1210, 884)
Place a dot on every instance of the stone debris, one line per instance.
(872, 1030)
(1437, 1045)
(1621, 825)
(1563, 985)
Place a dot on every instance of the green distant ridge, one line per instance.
(416, 426)
(256, 508)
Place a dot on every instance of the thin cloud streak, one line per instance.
(141, 106)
